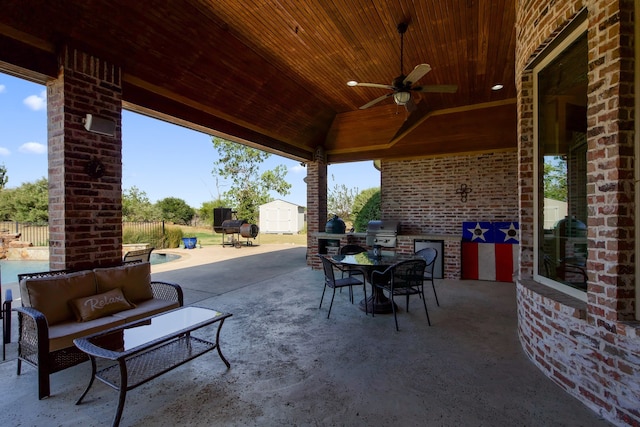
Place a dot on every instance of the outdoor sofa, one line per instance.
(59, 306)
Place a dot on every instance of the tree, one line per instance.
(175, 210)
(205, 213)
(361, 200)
(340, 201)
(4, 178)
(369, 211)
(555, 179)
(137, 207)
(249, 189)
(27, 203)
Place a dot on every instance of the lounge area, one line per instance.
(290, 365)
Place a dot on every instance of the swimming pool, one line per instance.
(11, 268)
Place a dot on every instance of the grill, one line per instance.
(383, 233)
(224, 224)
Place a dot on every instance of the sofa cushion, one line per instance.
(147, 308)
(133, 279)
(62, 335)
(51, 295)
(99, 305)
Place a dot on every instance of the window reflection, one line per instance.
(562, 171)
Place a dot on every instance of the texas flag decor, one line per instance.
(489, 250)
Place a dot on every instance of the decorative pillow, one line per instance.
(51, 295)
(100, 305)
(133, 279)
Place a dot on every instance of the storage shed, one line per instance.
(280, 216)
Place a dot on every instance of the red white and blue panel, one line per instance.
(490, 250)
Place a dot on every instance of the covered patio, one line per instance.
(273, 75)
(290, 365)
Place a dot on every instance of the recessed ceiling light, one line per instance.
(497, 86)
(352, 83)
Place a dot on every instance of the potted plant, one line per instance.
(190, 242)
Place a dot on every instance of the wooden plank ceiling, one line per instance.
(273, 73)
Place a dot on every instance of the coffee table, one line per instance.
(147, 348)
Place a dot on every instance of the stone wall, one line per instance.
(590, 349)
(8, 241)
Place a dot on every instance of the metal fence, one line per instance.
(152, 232)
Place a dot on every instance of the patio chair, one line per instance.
(331, 281)
(351, 271)
(430, 255)
(139, 255)
(404, 278)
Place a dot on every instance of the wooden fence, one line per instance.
(152, 232)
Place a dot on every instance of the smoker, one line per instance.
(382, 233)
(225, 224)
(237, 228)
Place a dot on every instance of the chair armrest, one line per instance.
(33, 331)
(167, 291)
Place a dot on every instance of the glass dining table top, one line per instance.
(365, 259)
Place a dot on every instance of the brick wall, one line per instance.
(316, 204)
(424, 194)
(85, 213)
(590, 349)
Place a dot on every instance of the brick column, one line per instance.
(316, 203)
(85, 208)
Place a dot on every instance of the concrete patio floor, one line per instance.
(290, 365)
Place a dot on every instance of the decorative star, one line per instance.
(477, 232)
(510, 233)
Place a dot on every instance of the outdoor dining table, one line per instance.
(367, 263)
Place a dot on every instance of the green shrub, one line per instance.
(369, 212)
(136, 234)
(173, 237)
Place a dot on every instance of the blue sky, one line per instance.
(161, 159)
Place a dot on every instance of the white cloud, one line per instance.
(4, 151)
(297, 168)
(33, 148)
(3, 88)
(36, 102)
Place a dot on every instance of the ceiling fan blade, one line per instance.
(417, 74)
(437, 88)
(375, 101)
(381, 86)
(410, 105)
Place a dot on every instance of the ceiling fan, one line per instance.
(402, 86)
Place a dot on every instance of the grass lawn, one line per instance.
(207, 237)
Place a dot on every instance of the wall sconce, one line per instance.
(401, 98)
(99, 125)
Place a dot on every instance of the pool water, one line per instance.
(11, 268)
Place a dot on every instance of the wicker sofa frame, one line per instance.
(33, 335)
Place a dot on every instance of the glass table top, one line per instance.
(145, 331)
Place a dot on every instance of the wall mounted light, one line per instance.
(99, 125)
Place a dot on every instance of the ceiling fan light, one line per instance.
(401, 98)
(352, 83)
(497, 86)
